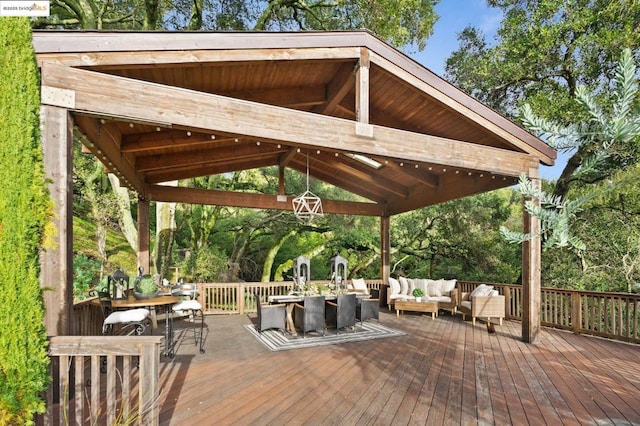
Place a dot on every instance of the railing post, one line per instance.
(576, 312)
(240, 298)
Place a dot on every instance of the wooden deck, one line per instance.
(441, 372)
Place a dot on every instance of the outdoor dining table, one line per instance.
(163, 301)
(291, 299)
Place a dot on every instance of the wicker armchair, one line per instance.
(368, 308)
(310, 316)
(482, 307)
(342, 312)
(270, 316)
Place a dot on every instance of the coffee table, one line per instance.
(427, 306)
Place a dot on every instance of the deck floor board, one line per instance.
(440, 372)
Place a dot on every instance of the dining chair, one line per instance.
(368, 308)
(189, 307)
(342, 312)
(270, 316)
(310, 315)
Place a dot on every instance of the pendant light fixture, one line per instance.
(307, 206)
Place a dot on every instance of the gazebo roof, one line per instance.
(163, 106)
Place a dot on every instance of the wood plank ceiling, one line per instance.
(320, 79)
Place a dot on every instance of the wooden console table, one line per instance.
(430, 306)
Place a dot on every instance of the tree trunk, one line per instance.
(125, 219)
(271, 254)
(165, 228)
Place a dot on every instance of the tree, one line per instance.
(25, 209)
(543, 50)
(458, 239)
(607, 142)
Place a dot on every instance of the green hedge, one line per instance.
(24, 210)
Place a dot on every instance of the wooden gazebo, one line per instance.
(162, 106)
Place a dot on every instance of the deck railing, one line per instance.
(238, 298)
(103, 380)
(611, 315)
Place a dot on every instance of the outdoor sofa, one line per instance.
(443, 291)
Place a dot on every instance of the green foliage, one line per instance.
(400, 22)
(24, 212)
(146, 285)
(204, 265)
(458, 239)
(542, 51)
(86, 274)
(555, 214)
(417, 292)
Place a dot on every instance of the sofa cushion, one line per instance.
(442, 299)
(466, 304)
(446, 286)
(433, 288)
(360, 284)
(421, 284)
(404, 285)
(395, 286)
(411, 286)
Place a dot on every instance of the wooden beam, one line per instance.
(106, 147)
(197, 170)
(357, 174)
(288, 97)
(106, 94)
(237, 152)
(362, 88)
(145, 142)
(531, 264)
(251, 200)
(421, 173)
(56, 262)
(467, 106)
(339, 86)
(131, 57)
(286, 157)
(451, 187)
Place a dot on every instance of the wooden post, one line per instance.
(531, 260)
(56, 262)
(143, 234)
(385, 248)
(362, 88)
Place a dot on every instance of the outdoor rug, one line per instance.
(275, 340)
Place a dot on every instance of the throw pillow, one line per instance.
(446, 286)
(359, 284)
(404, 285)
(482, 290)
(433, 288)
(395, 286)
(411, 285)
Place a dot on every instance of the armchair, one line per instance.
(342, 312)
(483, 302)
(368, 308)
(270, 316)
(310, 316)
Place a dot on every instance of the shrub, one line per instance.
(24, 211)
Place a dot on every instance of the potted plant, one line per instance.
(145, 287)
(418, 293)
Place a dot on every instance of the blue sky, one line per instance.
(455, 15)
